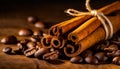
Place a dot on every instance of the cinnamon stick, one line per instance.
(58, 42)
(46, 41)
(93, 38)
(91, 25)
(73, 23)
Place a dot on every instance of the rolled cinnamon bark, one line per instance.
(63, 27)
(90, 25)
(58, 42)
(46, 41)
(70, 50)
(93, 38)
(84, 30)
(68, 25)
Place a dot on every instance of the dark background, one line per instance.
(14, 13)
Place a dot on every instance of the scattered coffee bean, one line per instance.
(9, 40)
(25, 32)
(76, 59)
(31, 44)
(101, 56)
(116, 60)
(38, 32)
(30, 52)
(91, 60)
(35, 38)
(51, 56)
(18, 51)
(32, 19)
(114, 53)
(23, 44)
(7, 50)
(39, 53)
(39, 25)
(112, 47)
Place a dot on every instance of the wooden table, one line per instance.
(11, 22)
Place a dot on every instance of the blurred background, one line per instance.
(14, 13)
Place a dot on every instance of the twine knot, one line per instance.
(104, 20)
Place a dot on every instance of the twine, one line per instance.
(99, 15)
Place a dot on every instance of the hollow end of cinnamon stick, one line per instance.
(46, 41)
(58, 42)
(72, 50)
(72, 37)
(53, 30)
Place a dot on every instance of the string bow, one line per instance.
(104, 20)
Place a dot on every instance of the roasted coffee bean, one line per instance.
(39, 53)
(25, 41)
(76, 59)
(35, 38)
(39, 45)
(23, 44)
(87, 53)
(112, 47)
(18, 51)
(114, 53)
(39, 25)
(51, 56)
(101, 56)
(38, 32)
(7, 50)
(9, 40)
(31, 44)
(91, 60)
(32, 19)
(45, 34)
(25, 32)
(30, 52)
(116, 60)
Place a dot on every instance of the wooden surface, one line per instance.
(12, 21)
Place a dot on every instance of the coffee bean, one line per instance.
(18, 51)
(25, 32)
(38, 32)
(35, 38)
(30, 52)
(101, 56)
(39, 25)
(51, 56)
(76, 59)
(87, 53)
(23, 44)
(7, 50)
(112, 47)
(9, 40)
(40, 52)
(32, 19)
(31, 44)
(116, 60)
(91, 60)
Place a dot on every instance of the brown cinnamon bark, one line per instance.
(70, 50)
(90, 26)
(58, 42)
(73, 23)
(46, 41)
(93, 38)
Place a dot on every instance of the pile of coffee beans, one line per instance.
(106, 51)
(36, 22)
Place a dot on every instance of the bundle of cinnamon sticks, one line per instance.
(79, 33)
